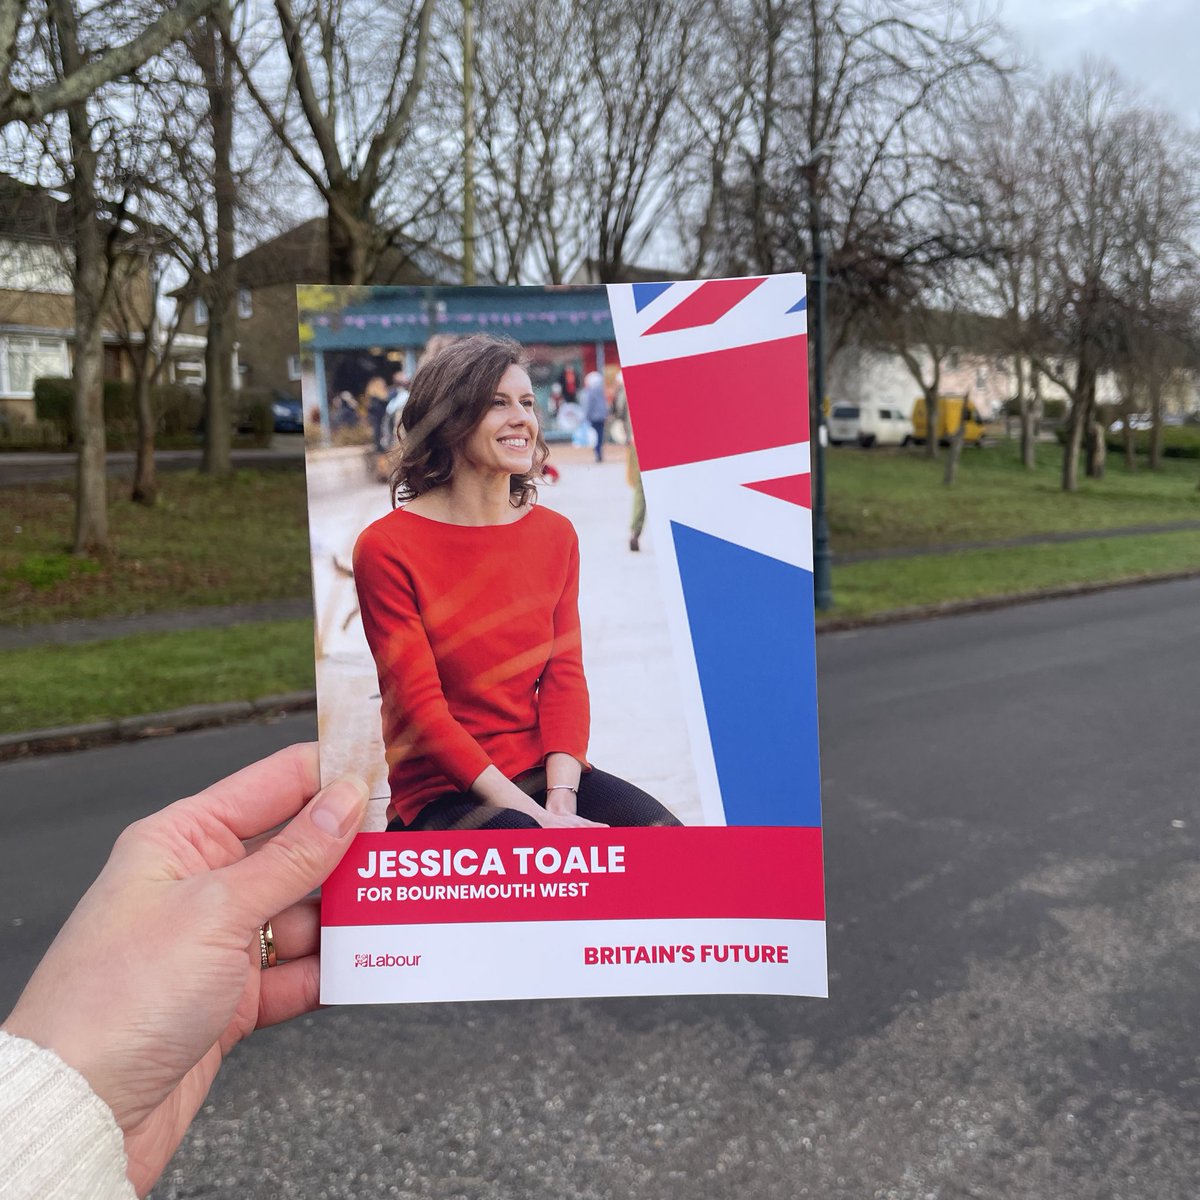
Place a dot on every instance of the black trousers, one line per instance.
(602, 797)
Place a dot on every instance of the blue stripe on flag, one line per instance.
(645, 293)
(800, 305)
(751, 621)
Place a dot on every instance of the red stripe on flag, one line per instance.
(708, 303)
(795, 489)
(699, 872)
(725, 402)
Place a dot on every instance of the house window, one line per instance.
(293, 367)
(981, 377)
(26, 359)
(200, 312)
(952, 360)
(245, 303)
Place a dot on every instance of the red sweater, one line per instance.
(475, 633)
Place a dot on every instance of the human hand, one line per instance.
(156, 975)
(551, 819)
(561, 801)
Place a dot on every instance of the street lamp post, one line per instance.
(822, 559)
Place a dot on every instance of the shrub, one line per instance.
(252, 414)
(53, 398)
(120, 415)
(1179, 441)
(1054, 410)
(180, 409)
(33, 435)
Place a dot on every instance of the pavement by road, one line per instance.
(20, 467)
(1013, 889)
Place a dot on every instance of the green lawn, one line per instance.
(49, 686)
(885, 498)
(245, 539)
(862, 589)
(230, 541)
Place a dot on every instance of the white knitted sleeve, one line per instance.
(58, 1139)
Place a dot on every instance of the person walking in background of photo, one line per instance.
(568, 380)
(376, 396)
(633, 474)
(396, 399)
(469, 591)
(595, 408)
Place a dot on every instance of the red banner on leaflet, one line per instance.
(581, 875)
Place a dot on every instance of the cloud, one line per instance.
(1150, 41)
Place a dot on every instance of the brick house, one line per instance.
(37, 305)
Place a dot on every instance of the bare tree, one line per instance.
(344, 105)
(26, 97)
(92, 290)
(1160, 273)
(211, 46)
(637, 55)
(1084, 165)
(531, 224)
(999, 198)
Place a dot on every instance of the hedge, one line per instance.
(1178, 441)
(179, 410)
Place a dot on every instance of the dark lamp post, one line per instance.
(822, 559)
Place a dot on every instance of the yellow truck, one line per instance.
(950, 416)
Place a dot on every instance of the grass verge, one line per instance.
(238, 540)
(863, 589)
(51, 686)
(886, 498)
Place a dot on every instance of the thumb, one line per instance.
(301, 855)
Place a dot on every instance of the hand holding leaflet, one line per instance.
(159, 972)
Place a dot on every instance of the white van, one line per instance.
(843, 424)
(883, 424)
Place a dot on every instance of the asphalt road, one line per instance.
(1014, 904)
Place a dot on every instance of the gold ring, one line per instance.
(266, 946)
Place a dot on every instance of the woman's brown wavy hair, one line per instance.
(450, 393)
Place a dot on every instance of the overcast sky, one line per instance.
(1154, 43)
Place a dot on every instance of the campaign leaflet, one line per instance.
(674, 543)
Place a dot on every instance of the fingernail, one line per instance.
(338, 809)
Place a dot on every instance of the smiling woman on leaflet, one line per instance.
(469, 597)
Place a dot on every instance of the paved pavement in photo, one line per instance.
(21, 467)
(1013, 890)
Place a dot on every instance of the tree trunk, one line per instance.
(956, 445)
(1080, 415)
(91, 472)
(350, 238)
(1096, 449)
(1035, 416)
(931, 422)
(222, 292)
(145, 475)
(1156, 422)
(1128, 445)
(1029, 436)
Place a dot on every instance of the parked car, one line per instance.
(288, 413)
(950, 415)
(843, 424)
(1136, 422)
(883, 424)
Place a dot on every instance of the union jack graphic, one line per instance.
(716, 377)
